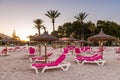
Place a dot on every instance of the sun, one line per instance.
(24, 38)
(24, 34)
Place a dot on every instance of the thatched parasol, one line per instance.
(6, 40)
(45, 37)
(82, 41)
(101, 37)
(68, 39)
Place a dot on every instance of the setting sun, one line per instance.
(25, 33)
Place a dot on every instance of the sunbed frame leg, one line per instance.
(67, 67)
(36, 70)
(43, 70)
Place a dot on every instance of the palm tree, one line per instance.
(38, 25)
(80, 17)
(52, 14)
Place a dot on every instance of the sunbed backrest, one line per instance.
(65, 50)
(94, 55)
(77, 50)
(4, 51)
(31, 50)
(60, 59)
(98, 57)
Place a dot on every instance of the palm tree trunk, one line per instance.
(82, 31)
(39, 31)
(53, 25)
(39, 46)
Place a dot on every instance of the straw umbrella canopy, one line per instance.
(6, 40)
(60, 43)
(118, 41)
(101, 37)
(83, 41)
(57, 42)
(68, 39)
(45, 37)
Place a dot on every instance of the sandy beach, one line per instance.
(16, 66)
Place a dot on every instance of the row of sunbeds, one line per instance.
(60, 63)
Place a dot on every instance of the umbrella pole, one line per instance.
(39, 46)
(72, 48)
(61, 47)
(45, 52)
(6, 49)
(101, 47)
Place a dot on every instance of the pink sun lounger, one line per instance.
(58, 63)
(40, 58)
(3, 52)
(96, 58)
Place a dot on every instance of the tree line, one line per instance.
(88, 29)
(78, 29)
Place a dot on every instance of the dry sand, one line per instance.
(16, 66)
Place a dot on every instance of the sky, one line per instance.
(19, 15)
